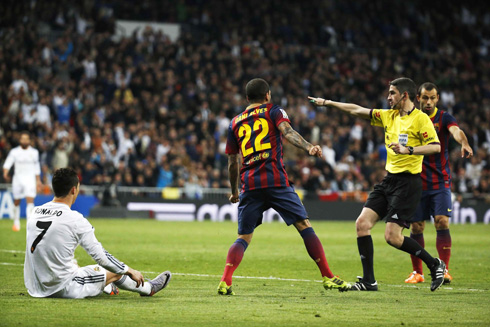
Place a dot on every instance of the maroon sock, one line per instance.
(315, 250)
(416, 261)
(235, 255)
(443, 245)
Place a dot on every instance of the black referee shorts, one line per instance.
(396, 198)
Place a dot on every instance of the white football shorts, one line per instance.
(23, 188)
(89, 281)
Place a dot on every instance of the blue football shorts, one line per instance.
(253, 204)
(434, 203)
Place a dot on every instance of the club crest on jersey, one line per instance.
(425, 135)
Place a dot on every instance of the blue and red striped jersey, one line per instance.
(256, 135)
(436, 174)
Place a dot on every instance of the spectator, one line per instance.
(165, 176)
(137, 99)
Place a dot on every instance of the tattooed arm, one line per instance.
(297, 140)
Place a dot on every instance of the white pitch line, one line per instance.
(238, 277)
(243, 277)
(12, 251)
(11, 264)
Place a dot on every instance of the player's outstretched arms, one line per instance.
(297, 140)
(136, 276)
(350, 108)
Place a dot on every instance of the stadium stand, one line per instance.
(145, 111)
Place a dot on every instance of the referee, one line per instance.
(409, 135)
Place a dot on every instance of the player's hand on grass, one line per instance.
(136, 276)
(316, 150)
(234, 198)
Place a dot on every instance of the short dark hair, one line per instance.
(404, 84)
(64, 179)
(256, 90)
(428, 86)
(25, 133)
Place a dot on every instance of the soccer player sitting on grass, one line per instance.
(258, 133)
(54, 231)
(409, 134)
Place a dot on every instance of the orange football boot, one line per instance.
(415, 278)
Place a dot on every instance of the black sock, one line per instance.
(366, 251)
(411, 246)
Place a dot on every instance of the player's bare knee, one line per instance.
(246, 237)
(302, 224)
(418, 227)
(393, 239)
(363, 225)
(441, 222)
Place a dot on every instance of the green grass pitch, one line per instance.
(281, 287)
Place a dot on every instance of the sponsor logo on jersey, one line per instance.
(260, 156)
(425, 135)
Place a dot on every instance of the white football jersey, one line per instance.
(54, 231)
(25, 162)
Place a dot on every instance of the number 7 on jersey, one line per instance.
(44, 225)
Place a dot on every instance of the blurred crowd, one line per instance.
(143, 110)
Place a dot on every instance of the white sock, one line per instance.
(29, 208)
(128, 284)
(17, 215)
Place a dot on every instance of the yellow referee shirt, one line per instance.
(414, 129)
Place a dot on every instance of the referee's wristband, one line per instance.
(410, 150)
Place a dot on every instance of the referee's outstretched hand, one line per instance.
(317, 101)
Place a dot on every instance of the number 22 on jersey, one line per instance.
(246, 131)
